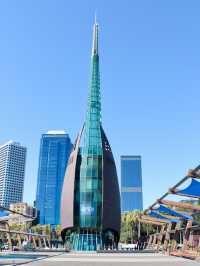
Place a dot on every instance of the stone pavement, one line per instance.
(20, 258)
(90, 259)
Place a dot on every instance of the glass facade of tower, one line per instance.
(91, 165)
(55, 148)
(90, 198)
(131, 183)
(89, 190)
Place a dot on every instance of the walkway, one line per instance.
(81, 259)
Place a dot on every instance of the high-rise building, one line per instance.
(131, 183)
(55, 147)
(90, 207)
(22, 208)
(12, 172)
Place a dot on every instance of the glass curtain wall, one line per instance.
(89, 189)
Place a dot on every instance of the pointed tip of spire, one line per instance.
(95, 37)
(95, 17)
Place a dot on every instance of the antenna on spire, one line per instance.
(95, 36)
(95, 17)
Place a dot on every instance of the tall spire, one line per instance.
(95, 37)
(92, 134)
(91, 198)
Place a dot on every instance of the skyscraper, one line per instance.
(131, 183)
(90, 204)
(12, 172)
(55, 147)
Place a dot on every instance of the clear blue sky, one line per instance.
(150, 65)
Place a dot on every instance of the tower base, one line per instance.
(84, 240)
(90, 240)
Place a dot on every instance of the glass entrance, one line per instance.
(86, 240)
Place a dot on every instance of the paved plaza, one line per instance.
(89, 259)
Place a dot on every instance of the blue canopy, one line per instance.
(155, 214)
(169, 211)
(4, 213)
(193, 190)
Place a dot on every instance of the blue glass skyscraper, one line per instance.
(55, 148)
(131, 183)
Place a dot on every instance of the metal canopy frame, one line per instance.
(193, 174)
(165, 215)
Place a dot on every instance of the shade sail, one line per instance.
(164, 209)
(193, 190)
(3, 213)
(155, 214)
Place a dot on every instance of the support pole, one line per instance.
(49, 242)
(139, 229)
(167, 238)
(154, 240)
(160, 237)
(19, 241)
(176, 236)
(44, 240)
(198, 248)
(26, 236)
(150, 241)
(8, 235)
(187, 235)
(34, 242)
(39, 242)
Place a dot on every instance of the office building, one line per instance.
(21, 208)
(55, 147)
(12, 172)
(131, 183)
(90, 207)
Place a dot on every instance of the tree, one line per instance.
(132, 228)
